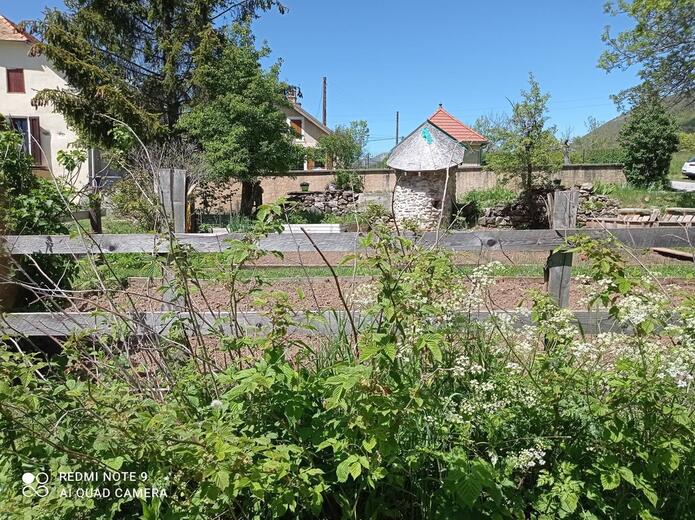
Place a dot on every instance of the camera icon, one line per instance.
(35, 484)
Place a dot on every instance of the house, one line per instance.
(425, 163)
(469, 138)
(21, 76)
(307, 128)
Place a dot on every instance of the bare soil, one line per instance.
(320, 293)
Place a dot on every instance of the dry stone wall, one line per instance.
(592, 206)
(333, 200)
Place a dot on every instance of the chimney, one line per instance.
(293, 94)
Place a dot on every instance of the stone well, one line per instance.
(424, 197)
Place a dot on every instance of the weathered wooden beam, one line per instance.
(559, 268)
(35, 324)
(498, 240)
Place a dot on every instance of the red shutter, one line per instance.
(35, 130)
(15, 80)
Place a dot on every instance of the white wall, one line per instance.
(311, 131)
(55, 135)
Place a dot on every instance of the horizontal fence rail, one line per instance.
(34, 324)
(136, 323)
(501, 240)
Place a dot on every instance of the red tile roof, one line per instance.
(10, 32)
(455, 128)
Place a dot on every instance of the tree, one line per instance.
(662, 41)
(345, 146)
(237, 117)
(493, 126)
(131, 60)
(648, 138)
(527, 149)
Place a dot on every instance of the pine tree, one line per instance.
(132, 60)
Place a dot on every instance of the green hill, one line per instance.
(607, 133)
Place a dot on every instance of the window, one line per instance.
(297, 126)
(15, 81)
(31, 131)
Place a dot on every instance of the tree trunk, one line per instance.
(251, 196)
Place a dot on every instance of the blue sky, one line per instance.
(381, 56)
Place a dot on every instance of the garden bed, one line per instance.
(316, 293)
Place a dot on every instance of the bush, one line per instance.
(129, 203)
(487, 198)
(349, 180)
(597, 156)
(30, 205)
(648, 138)
(423, 413)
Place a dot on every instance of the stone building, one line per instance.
(425, 163)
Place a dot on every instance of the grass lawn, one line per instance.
(630, 197)
(131, 265)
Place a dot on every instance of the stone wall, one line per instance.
(515, 214)
(335, 201)
(424, 198)
(381, 181)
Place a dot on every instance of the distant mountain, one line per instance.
(373, 161)
(683, 112)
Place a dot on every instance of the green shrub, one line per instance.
(129, 202)
(30, 205)
(648, 138)
(349, 180)
(487, 198)
(597, 156)
(424, 412)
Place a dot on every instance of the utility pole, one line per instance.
(398, 115)
(324, 119)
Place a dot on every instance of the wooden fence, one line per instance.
(558, 266)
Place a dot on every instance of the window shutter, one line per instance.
(297, 127)
(15, 80)
(310, 164)
(35, 139)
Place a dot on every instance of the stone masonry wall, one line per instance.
(333, 200)
(421, 196)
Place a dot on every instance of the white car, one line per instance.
(689, 168)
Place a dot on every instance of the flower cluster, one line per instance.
(527, 458)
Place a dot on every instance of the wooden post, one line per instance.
(171, 185)
(324, 118)
(95, 211)
(559, 265)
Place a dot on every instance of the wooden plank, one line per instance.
(163, 181)
(81, 214)
(178, 200)
(675, 253)
(634, 211)
(559, 267)
(43, 324)
(484, 240)
(681, 211)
